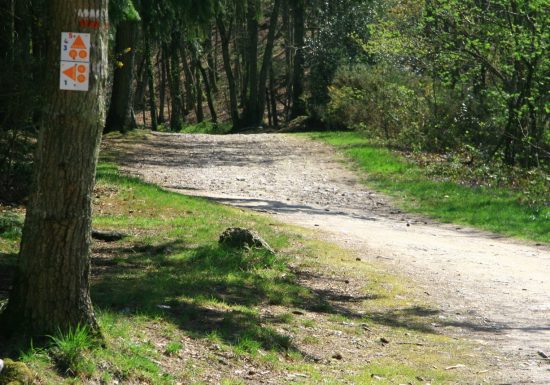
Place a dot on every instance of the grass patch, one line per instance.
(205, 127)
(495, 209)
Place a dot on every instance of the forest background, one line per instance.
(464, 83)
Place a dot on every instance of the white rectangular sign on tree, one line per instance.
(74, 73)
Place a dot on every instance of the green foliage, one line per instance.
(488, 69)
(11, 225)
(68, 350)
(379, 101)
(123, 10)
(173, 348)
(207, 127)
(506, 210)
(332, 44)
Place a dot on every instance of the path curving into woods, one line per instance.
(487, 288)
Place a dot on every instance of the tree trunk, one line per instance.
(151, 84)
(233, 102)
(198, 89)
(120, 109)
(273, 97)
(176, 117)
(251, 102)
(188, 84)
(208, 90)
(267, 62)
(164, 71)
(212, 74)
(51, 288)
(298, 104)
(288, 39)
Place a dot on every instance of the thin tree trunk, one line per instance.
(198, 87)
(51, 289)
(139, 97)
(288, 39)
(233, 102)
(298, 104)
(273, 97)
(176, 117)
(212, 74)
(267, 61)
(151, 81)
(188, 84)
(162, 64)
(209, 98)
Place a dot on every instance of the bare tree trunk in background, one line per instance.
(51, 288)
(176, 116)
(188, 83)
(251, 106)
(267, 61)
(151, 83)
(233, 102)
(298, 104)
(164, 70)
(273, 97)
(119, 116)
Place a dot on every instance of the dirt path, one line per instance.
(491, 289)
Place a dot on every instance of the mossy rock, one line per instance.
(15, 373)
(240, 238)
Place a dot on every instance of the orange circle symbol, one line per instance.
(83, 54)
(81, 68)
(81, 78)
(73, 54)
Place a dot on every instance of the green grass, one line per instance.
(169, 289)
(205, 127)
(495, 209)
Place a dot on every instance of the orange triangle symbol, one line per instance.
(78, 43)
(71, 72)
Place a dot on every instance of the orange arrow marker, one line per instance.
(71, 72)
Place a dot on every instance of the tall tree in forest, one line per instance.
(51, 288)
(267, 61)
(251, 107)
(298, 103)
(120, 115)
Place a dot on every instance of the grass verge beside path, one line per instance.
(176, 308)
(494, 209)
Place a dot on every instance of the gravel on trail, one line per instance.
(489, 288)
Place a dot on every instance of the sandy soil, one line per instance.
(490, 289)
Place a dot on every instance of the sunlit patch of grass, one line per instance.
(207, 127)
(494, 209)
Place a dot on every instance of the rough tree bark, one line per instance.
(51, 289)
(119, 116)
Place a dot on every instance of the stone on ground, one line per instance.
(15, 373)
(240, 238)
